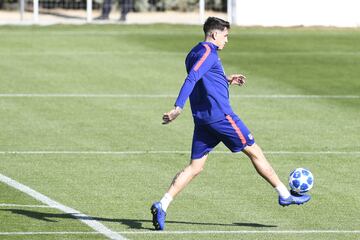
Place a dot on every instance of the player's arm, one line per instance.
(204, 63)
(171, 115)
(236, 79)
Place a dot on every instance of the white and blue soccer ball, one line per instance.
(301, 180)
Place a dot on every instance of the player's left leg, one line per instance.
(184, 177)
(264, 169)
(180, 181)
(203, 143)
(262, 165)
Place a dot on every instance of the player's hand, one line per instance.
(237, 79)
(171, 115)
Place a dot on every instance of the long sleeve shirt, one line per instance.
(206, 85)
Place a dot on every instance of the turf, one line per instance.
(321, 134)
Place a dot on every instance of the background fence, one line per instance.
(138, 11)
(340, 13)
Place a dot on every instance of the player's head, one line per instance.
(216, 31)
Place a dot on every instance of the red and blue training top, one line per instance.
(206, 85)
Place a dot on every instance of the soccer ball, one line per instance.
(301, 180)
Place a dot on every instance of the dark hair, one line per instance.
(214, 23)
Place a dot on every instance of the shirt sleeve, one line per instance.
(202, 66)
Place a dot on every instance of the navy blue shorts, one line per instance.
(231, 131)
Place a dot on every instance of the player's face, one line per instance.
(221, 38)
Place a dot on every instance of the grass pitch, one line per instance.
(86, 131)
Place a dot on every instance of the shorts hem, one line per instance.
(195, 157)
(242, 148)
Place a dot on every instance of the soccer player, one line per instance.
(206, 85)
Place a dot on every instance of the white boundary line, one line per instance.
(195, 232)
(97, 226)
(24, 206)
(89, 95)
(169, 152)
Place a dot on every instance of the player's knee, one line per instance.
(253, 157)
(254, 152)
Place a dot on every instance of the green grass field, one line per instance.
(81, 110)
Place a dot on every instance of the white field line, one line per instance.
(171, 152)
(85, 95)
(24, 206)
(195, 232)
(97, 226)
(94, 53)
(98, 33)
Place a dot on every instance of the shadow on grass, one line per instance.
(131, 223)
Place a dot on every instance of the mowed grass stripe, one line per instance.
(90, 95)
(23, 205)
(97, 53)
(315, 231)
(121, 188)
(171, 152)
(163, 29)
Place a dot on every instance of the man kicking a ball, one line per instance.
(207, 87)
